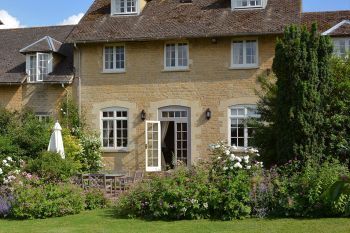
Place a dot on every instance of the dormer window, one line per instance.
(124, 7)
(243, 4)
(39, 58)
(39, 65)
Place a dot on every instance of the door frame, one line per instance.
(179, 120)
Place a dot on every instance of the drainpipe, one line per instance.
(66, 103)
(79, 78)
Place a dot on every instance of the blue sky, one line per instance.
(53, 12)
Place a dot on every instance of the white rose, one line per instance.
(238, 165)
(227, 152)
(249, 167)
(4, 161)
(1, 172)
(9, 159)
(239, 159)
(225, 168)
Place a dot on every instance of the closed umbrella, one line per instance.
(56, 141)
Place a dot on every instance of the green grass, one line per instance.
(104, 222)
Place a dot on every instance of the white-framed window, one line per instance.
(124, 7)
(240, 131)
(38, 66)
(114, 58)
(114, 130)
(247, 3)
(245, 54)
(176, 56)
(341, 46)
(43, 116)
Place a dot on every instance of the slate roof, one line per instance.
(326, 20)
(12, 62)
(46, 44)
(170, 19)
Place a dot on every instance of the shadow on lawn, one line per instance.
(112, 214)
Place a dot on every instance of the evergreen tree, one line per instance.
(295, 108)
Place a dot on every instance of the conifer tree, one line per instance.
(295, 107)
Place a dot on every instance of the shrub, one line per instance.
(51, 167)
(84, 146)
(181, 195)
(91, 156)
(5, 201)
(294, 190)
(95, 199)
(217, 189)
(46, 200)
(22, 136)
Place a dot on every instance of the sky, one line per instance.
(29, 13)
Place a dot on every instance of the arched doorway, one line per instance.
(168, 140)
(175, 136)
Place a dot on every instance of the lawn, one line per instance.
(103, 221)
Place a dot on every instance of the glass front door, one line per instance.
(175, 139)
(153, 146)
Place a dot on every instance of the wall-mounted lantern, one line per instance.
(143, 115)
(208, 114)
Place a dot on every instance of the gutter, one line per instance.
(79, 79)
(10, 84)
(174, 38)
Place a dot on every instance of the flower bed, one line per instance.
(234, 185)
(216, 189)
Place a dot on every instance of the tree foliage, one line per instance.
(294, 107)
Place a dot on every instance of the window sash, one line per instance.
(240, 132)
(176, 55)
(114, 130)
(248, 3)
(39, 67)
(43, 66)
(125, 6)
(114, 58)
(32, 68)
(245, 53)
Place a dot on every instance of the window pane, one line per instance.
(251, 52)
(182, 53)
(120, 57)
(240, 131)
(115, 129)
(109, 58)
(108, 133)
(32, 68)
(43, 66)
(238, 52)
(121, 6)
(170, 55)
